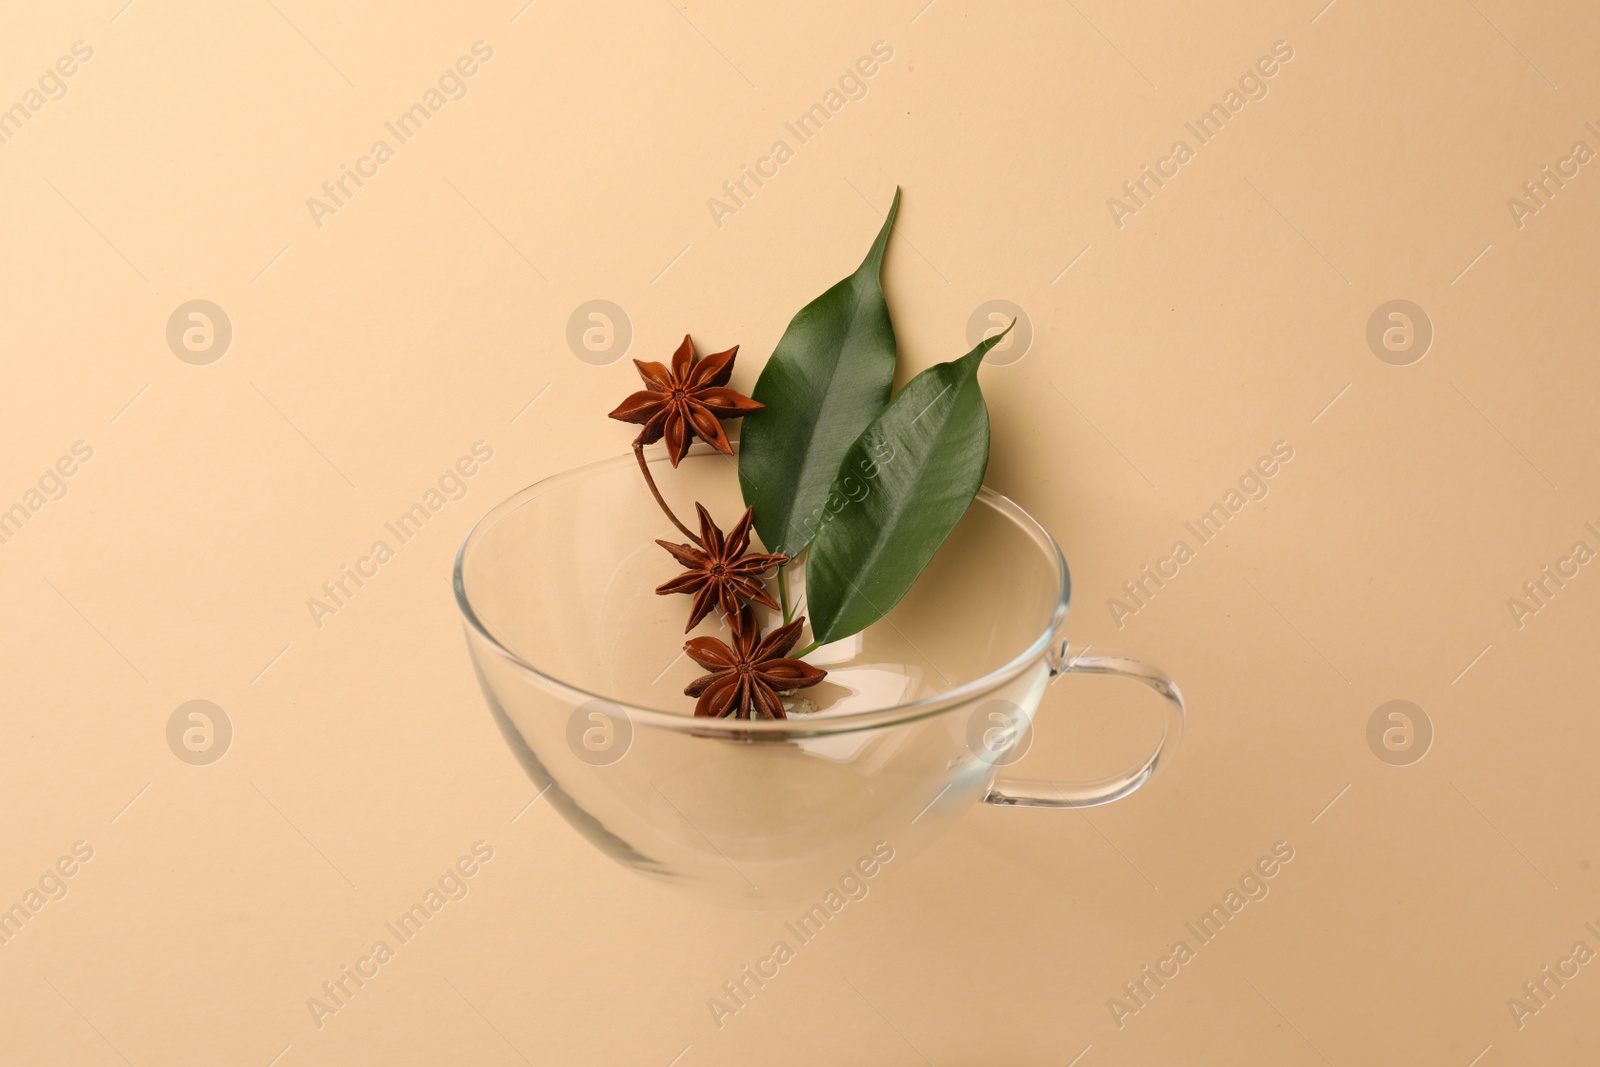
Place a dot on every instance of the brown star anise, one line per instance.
(689, 399)
(745, 680)
(720, 573)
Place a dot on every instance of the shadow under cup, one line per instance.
(580, 661)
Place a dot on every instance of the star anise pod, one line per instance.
(686, 401)
(745, 679)
(720, 573)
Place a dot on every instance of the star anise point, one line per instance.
(745, 678)
(720, 572)
(688, 400)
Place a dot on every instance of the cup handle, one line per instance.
(1093, 791)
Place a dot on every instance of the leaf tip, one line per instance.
(983, 346)
(874, 258)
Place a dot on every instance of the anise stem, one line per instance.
(644, 468)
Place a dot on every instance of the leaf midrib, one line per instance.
(882, 541)
(807, 463)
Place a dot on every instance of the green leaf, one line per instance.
(828, 378)
(901, 489)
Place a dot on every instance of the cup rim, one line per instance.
(814, 724)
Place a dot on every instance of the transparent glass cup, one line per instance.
(580, 661)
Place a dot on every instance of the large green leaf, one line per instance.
(828, 378)
(900, 490)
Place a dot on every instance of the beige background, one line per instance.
(1227, 314)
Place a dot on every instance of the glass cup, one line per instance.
(581, 664)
